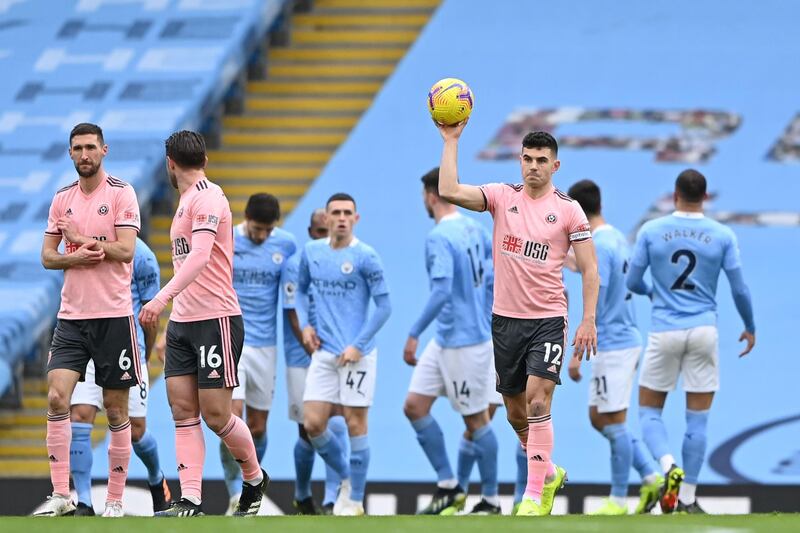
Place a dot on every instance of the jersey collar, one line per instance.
(451, 216)
(684, 214)
(352, 243)
(602, 227)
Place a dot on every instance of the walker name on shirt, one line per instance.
(530, 251)
(699, 236)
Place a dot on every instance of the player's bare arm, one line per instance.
(294, 322)
(150, 336)
(750, 338)
(86, 255)
(121, 250)
(410, 351)
(467, 196)
(310, 340)
(586, 336)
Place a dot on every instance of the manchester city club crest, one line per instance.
(551, 218)
(277, 258)
(347, 267)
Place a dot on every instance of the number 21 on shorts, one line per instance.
(552, 353)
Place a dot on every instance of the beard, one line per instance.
(173, 179)
(88, 170)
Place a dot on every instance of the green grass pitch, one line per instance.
(776, 523)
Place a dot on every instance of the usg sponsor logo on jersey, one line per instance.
(347, 267)
(277, 258)
(525, 249)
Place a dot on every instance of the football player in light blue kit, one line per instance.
(87, 399)
(614, 369)
(685, 252)
(459, 361)
(342, 275)
(260, 252)
(297, 362)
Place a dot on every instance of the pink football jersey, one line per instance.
(204, 207)
(531, 240)
(102, 290)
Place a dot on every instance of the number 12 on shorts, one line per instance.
(552, 349)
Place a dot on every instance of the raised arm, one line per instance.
(467, 196)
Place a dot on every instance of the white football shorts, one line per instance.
(466, 375)
(89, 393)
(613, 372)
(351, 385)
(256, 372)
(691, 353)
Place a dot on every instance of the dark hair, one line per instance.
(340, 196)
(187, 149)
(431, 181)
(263, 208)
(586, 193)
(691, 186)
(87, 128)
(540, 139)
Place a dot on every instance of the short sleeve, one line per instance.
(731, 259)
(52, 218)
(208, 208)
(492, 193)
(641, 254)
(289, 282)
(372, 271)
(438, 259)
(127, 215)
(578, 227)
(146, 275)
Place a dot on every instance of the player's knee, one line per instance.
(256, 431)
(57, 401)
(314, 426)
(537, 407)
(216, 421)
(182, 409)
(137, 432)
(413, 410)
(356, 426)
(516, 419)
(596, 422)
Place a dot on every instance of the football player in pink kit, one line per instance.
(205, 332)
(97, 217)
(534, 226)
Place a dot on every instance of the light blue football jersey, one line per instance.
(293, 351)
(685, 253)
(256, 280)
(459, 248)
(145, 284)
(341, 283)
(616, 319)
